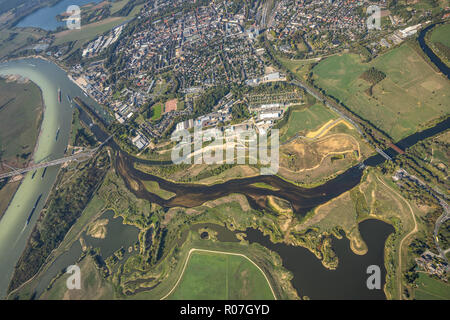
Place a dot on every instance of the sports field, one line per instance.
(214, 275)
(157, 110)
(411, 94)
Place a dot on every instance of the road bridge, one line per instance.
(81, 156)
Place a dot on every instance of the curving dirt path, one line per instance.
(414, 230)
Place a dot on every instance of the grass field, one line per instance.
(308, 119)
(411, 95)
(12, 41)
(441, 34)
(89, 31)
(116, 6)
(157, 110)
(221, 276)
(300, 68)
(431, 289)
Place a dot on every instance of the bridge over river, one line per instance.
(81, 156)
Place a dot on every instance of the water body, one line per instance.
(45, 18)
(434, 58)
(311, 278)
(118, 235)
(223, 234)
(302, 199)
(348, 281)
(13, 229)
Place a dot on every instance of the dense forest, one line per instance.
(209, 99)
(373, 75)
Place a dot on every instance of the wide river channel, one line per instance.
(14, 231)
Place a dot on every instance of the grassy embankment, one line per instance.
(154, 187)
(16, 40)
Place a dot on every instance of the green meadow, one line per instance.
(441, 34)
(223, 277)
(157, 110)
(411, 95)
(307, 119)
(429, 288)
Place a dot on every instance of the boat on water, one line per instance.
(68, 98)
(34, 173)
(43, 173)
(57, 134)
(59, 95)
(34, 209)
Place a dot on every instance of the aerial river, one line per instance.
(14, 230)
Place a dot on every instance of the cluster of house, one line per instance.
(157, 129)
(329, 20)
(102, 42)
(433, 264)
(204, 46)
(265, 116)
(221, 114)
